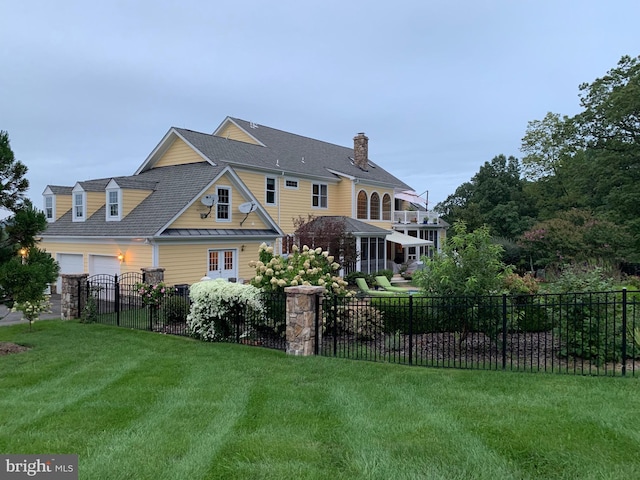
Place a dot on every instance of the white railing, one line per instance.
(416, 216)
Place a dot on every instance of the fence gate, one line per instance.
(114, 297)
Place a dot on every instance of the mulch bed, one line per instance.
(6, 348)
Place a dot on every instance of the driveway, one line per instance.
(12, 318)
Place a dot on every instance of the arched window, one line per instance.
(362, 204)
(386, 207)
(374, 210)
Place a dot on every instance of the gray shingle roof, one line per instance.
(288, 152)
(175, 187)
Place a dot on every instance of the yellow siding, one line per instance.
(189, 263)
(95, 200)
(131, 199)
(232, 132)
(63, 205)
(178, 153)
(191, 217)
(137, 255)
(343, 198)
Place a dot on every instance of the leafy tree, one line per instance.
(13, 183)
(495, 196)
(470, 264)
(574, 236)
(25, 269)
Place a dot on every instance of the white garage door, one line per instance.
(69, 263)
(104, 265)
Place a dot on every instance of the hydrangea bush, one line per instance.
(304, 266)
(31, 310)
(215, 303)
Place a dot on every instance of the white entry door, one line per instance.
(69, 263)
(222, 264)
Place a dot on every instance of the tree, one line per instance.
(574, 236)
(592, 160)
(495, 196)
(13, 183)
(25, 269)
(470, 265)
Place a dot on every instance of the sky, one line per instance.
(89, 88)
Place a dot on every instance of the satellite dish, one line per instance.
(209, 200)
(247, 207)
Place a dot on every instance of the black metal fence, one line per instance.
(116, 300)
(580, 333)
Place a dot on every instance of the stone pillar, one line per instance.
(153, 275)
(301, 319)
(73, 296)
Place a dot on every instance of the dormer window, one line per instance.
(79, 206)
(49, 208)
(114, 204)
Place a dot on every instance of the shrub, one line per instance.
(384, 273)
(362, 321)
(350, 278)
(301, 267)
(217, 305)
(525, 314)
(175, 309)
(469, 265)
(587, 317)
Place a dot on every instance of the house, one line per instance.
(201, 204)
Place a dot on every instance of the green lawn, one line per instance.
(139, 405)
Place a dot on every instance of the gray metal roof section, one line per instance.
(219, 232)
(353, 226)
(175, 187)
(287, 152)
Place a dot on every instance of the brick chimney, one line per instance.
(361, 151)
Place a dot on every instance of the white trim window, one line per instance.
(374, 206)
(270, 191)
(223, 207)
(79, 206)
(319, 195)
(114, 204)
(50, 207)
(291, 183)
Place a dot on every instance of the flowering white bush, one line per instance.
(215, 303)
(301, 267)
(31, 310)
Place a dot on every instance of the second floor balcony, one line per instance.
(405, 217)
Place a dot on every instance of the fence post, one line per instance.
(504, 331)
(624, 331)
(334, 316)
(304, 308)
(116, 298)
(410, 329)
